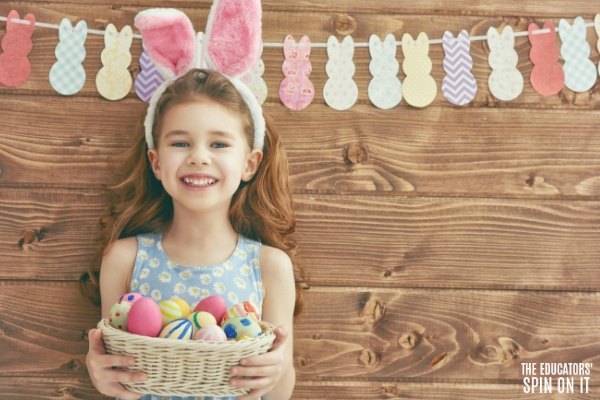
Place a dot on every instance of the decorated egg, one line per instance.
(214, 304)
(170, 311)
(201, 319)
(212, 333)
(183, 305)
(118, 315)
(131, 297)
(144, 318)
(239, 327)
(181, 329)
(245, 308)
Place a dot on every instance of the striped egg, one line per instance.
(212, 333)
(201, 319)
(238, 328)
(170, 311)
(185, 307)
(181, 329)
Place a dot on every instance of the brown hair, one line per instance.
(261, 209)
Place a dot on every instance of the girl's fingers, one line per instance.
(254, 383)
(124, 376)
(267, 370)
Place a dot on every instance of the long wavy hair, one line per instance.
(261, 209)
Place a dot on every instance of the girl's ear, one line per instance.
(154, 162)
(252, 164)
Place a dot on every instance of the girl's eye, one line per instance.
(179, 144)
(220, 145)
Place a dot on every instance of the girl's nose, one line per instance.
(199, 155)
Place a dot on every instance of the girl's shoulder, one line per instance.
(275, 263)
(115, 270)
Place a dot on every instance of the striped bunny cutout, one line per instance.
(15, 67)
(231, 46)
(459, 85)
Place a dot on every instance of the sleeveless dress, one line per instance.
(236, 279)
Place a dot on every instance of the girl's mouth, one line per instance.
(198, 182)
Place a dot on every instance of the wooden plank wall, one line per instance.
(445, 245)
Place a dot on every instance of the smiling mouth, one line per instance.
(199, 182)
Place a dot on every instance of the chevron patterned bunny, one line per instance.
(385, 89)
(148, 79)
(114, 80)
(505, 81)
(459, 85)
(340, 91)
(67, 75)
(15, 67)
(580, 71)
(419, 86)
(547, 76)
(296, 91)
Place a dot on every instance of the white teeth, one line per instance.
(198, 182)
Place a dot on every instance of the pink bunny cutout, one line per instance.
(296, 90)
(15, 67)
(231, 45)
(547, 76)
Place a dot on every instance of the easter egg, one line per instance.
(212, 333)
(245, 308)
(201, 319)
(170, 311)
(181, 329)
(214, 304)
(238, 327)
(183, 305)
(118, 315)
(144, 318)
(131, 297)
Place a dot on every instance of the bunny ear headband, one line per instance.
(230, 46)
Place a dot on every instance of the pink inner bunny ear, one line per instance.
(234, 35)
(169, 38)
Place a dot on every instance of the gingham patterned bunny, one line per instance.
(419, 86)
(15, 67)
(296, 91)
(505, 81)
(580, 71)
(385, 89)
(340, 91)
(67, 75)
(114, 80)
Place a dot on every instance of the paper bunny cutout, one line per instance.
(254, 80)
(580, 71)
(340, 92)
(114, 80)
(231, 45)
(419, 86)
(385, 89)
(67, 75)
(547, 76)
(15, 67)
(505, 81)
(459, 85)
(296, 91)
(597, 27)
(148, 79)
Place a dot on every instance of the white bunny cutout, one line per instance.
(340, 91)
(114, 80)
(67, 75)
(231, 46)
(580, 71)
(385, 89)
(505, 81)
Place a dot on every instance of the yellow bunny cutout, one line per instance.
(114, 80)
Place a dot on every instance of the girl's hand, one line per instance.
(105, 378)
(261, 373)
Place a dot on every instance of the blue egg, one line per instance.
(181, 329)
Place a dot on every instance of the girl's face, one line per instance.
(203, 155)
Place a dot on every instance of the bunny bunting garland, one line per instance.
(15, 67)
(231, 46)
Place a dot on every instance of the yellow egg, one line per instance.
(181, 329)
(185, 307)
(201, 319)
(170, 311)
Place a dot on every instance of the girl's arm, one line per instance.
(272, 374)
(116, 268)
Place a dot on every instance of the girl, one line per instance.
(203, 212)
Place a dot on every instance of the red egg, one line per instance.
(215, 305)
(144, 318)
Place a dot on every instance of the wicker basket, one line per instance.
(184, 367)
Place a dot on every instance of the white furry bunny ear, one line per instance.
(233, 36)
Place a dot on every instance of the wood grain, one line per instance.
(408, 242)
(70, 142)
